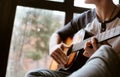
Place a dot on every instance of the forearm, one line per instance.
(54, 40)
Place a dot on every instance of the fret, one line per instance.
(110, 34)
(117, 31)
(98, 37)
(106, 35)
(103, 36)
(114, 31)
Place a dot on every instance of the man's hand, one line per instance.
(90, 47)
(58, 55)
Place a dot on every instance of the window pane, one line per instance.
(30, 39)
(56, 0)
(80, 3)
(116, 1)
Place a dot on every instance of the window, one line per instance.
(30, 39)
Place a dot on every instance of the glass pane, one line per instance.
(116, 1)
(80, 3)
(56, 0)
(30, 39)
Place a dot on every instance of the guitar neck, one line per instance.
(114, 32)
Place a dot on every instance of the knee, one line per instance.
(104, 51)
(37, 73)
(106, 48)
(28, 74)
(32, 73)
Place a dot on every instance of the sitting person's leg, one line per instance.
(46, 73)
(103, 63)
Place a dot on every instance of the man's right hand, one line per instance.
(58, 54)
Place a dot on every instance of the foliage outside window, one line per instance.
(30, 39)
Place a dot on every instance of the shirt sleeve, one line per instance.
(75, 25)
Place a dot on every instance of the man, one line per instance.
(104, 17)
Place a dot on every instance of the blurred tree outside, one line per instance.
(30, 39)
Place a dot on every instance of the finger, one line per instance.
(94, 43)
(85, 53)
(57, 59)
(61, 56)
(88, 49)
(87, 46)
(54, 56)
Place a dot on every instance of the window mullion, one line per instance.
(69, 10)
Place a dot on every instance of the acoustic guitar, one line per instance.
(78, 42)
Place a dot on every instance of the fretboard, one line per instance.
(114, 32)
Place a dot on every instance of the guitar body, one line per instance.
(75, 59)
